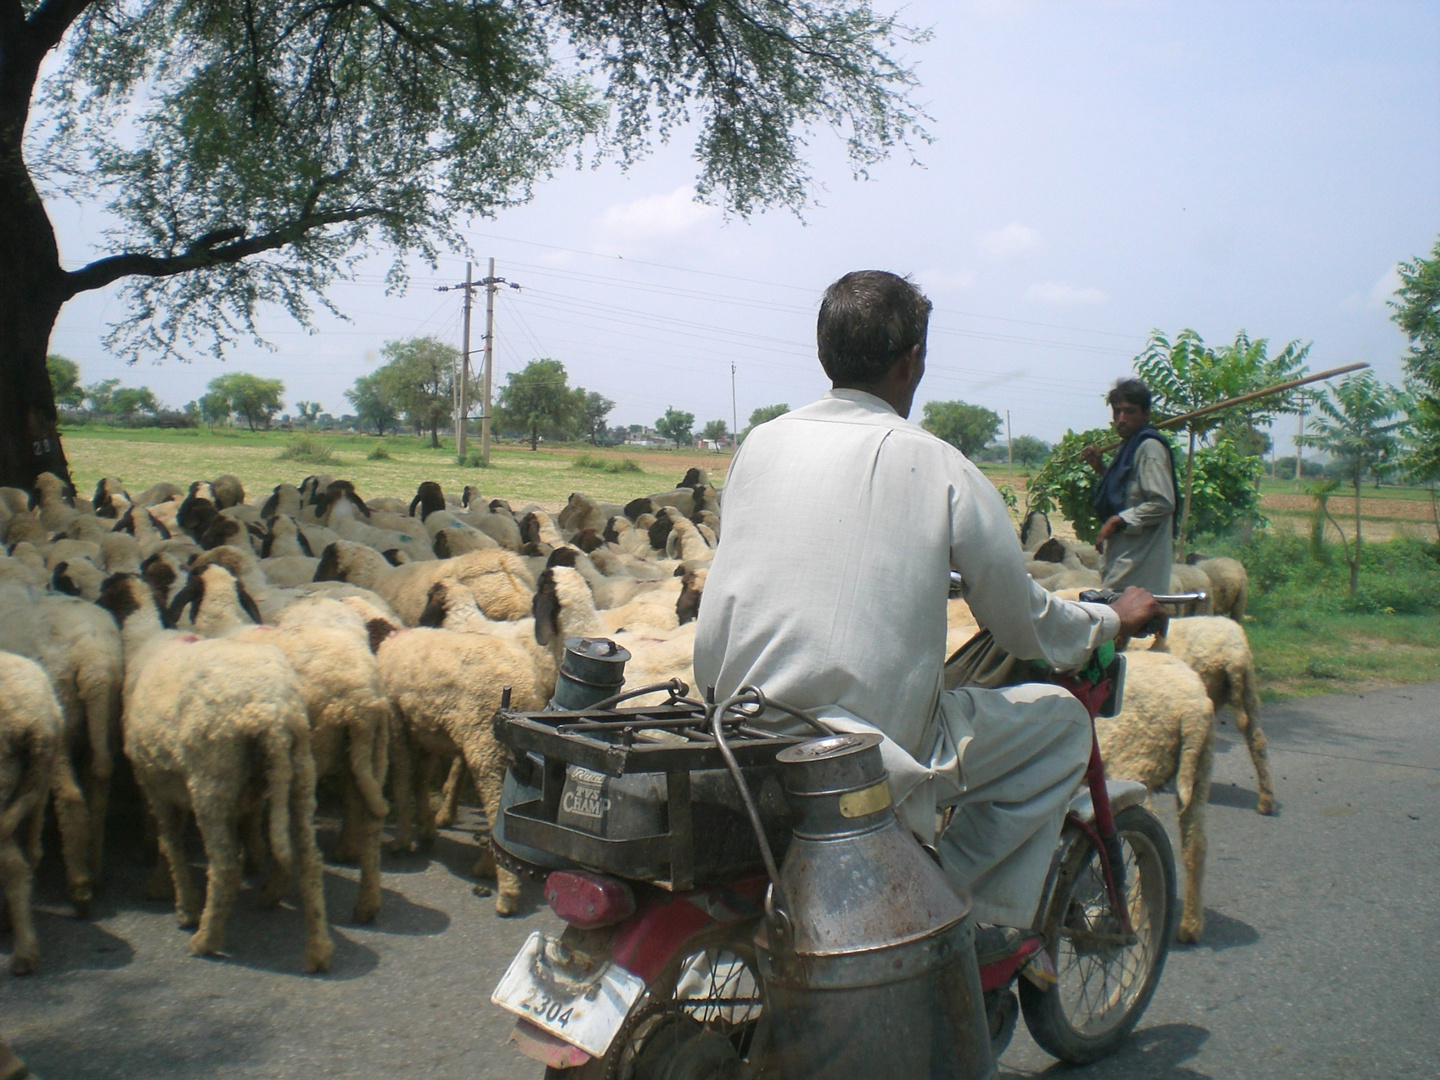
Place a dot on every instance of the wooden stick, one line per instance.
(1177, 421)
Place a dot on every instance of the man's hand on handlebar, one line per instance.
(1140, 613)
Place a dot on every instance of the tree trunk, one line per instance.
(32, 290)
(1189, 491)
(1355, 562)
(534, 437)
(434, 434)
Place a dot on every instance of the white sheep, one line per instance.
(1229, 585)
(219, 728)
(1216, 649)
(1166, 731)
(79, 647)
(33, 764)
(326, 644)
(1184, 579)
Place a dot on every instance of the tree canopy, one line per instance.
(537, 398)
(375, 401)
(419, 375)
(676, 424)
(64, 380)
(254, 399)
(247, 158)
(968, 428)
(1417, 312)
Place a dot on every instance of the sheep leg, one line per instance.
(487, 769)
(450, 795)
(218, 827)
(75, 826)
(16, 876)
(170, 827)
(1247, 719)
(368, 834)
(1192, 794)
(319, 946)
(99, 710)
(425, 820)
(402, 787)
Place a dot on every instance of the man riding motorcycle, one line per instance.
(842, 521)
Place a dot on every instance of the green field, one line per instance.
(547, 476)
(1309, 636)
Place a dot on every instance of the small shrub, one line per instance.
(606, 464)
(306, 448)
(1321, 669)
(381, 452)
(475, 459)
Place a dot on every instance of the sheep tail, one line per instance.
(279, 772)
(368, 760)
(33, 787)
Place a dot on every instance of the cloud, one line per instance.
(655, 218)
(1384, 289)
(944, 281)
(1013, 239)
(1057, 292)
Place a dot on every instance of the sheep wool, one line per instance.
(1166, 731)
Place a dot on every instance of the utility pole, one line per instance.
(489, 362)
(734, 413)
(1009, 442)
(462, 398)
(462, 414)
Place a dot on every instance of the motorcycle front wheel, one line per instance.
(1105, 979)
(700, 1019)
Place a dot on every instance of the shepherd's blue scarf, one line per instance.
(1110, 494)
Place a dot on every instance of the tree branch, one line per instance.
(220, 247)
(48, 22)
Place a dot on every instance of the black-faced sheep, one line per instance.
(446, 681)
(219, 728)
(499, 579)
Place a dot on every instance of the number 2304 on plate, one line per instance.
(585, 1014)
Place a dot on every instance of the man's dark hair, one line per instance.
(868, 320)
(1130, 391)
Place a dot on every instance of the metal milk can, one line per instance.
(866, 955)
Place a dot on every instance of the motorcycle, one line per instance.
(658, 833)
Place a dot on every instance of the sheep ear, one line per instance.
(160, 526)
(247, 602)
(171, 614)
(688, 606)
(304, 544)
(561, 556)
(379, 630)
(435, 607)
(413, 503)
(394, 556)
(62, 582)
(268, 544)
(271, 504)
(359, 502)
(442, 544)
(116, 597)
(329, 568)
(546, 609)
(126, 523)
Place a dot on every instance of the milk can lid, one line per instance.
(833, 763)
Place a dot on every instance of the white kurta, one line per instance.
(1143, 551)
(842, 522)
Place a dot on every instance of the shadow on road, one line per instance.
(1222, 932)
(1153, 1053)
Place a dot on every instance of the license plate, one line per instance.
(586, 1014)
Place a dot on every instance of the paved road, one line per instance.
(1319, 958)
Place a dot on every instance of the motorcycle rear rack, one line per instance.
(674, 739)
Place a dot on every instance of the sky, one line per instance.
(1099, 170)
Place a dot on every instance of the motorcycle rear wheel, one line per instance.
(712, 988)
(1104, 982)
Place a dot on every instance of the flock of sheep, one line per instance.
(236, 654)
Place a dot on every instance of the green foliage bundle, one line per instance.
(380, 452)
(1417, 312)
(307, 448)
(538, 399)
(1225, 485)
(762, 415)
(254, 399)
(606, 464)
